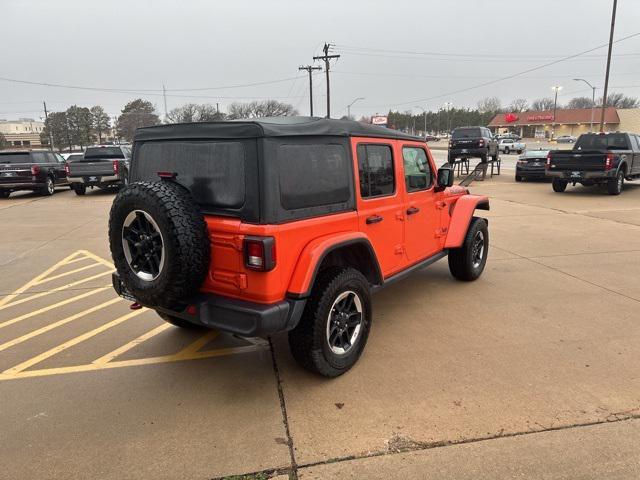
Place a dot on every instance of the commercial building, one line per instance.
(570, 121)
(24, 132)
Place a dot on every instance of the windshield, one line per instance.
(103, 152)
(15, 157)
(613, 141)
(535, 154)
(466, 133)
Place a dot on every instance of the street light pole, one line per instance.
(349, 107)
(557, 88)
(593, 100)
(606, 77)
(448, 106)
(424, 111)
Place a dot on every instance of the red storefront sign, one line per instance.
(539, 118)
(510, 117)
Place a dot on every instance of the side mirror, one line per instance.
(445, 178)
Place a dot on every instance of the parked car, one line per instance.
(513, 136)
(66, 155)
(102, 166)
(38, 171)
(472, 142)
(596, 158)
(531, 165)
(73, 157)
(508, 145)
(566, 139)
(267, 225)
(431, 138)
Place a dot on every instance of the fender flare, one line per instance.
(461, 216)
(312, 255)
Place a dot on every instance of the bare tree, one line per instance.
(192, 112)
(255, 109)
(519, 105)
(489, 105)
(543, 104)
(580, 102)
(619, 100)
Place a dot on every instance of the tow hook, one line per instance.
(135, 306)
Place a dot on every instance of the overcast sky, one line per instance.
(141, 45)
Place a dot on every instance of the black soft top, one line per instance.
(269, 127)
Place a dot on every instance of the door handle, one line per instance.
(412, 210)
(374, 219)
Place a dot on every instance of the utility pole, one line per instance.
(326, 57)
(606, 77)
(555, 88)
(164, 96)
(309, 69)
(46, 117)
(424, 111)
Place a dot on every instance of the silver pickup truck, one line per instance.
(103, 166)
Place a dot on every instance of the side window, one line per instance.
(39, 157)
(375, 170)
(417, 172)
(636, 145)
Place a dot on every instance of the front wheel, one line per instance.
(5, 193)
(559, 185)
(467, 262)
(614, 187)
(518, 178)
(335, 324)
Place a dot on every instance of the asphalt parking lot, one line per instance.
(532, 371)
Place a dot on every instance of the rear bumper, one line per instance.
(584, 175)
(243, 318)
(531, 172)
(99, 179)
(470, 152)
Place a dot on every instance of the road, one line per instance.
(529, 372)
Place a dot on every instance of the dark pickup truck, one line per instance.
(38, 171)
(103, 166)
(596, 158)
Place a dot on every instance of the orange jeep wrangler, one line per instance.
(286, 224)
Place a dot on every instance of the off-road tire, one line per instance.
(308, 340)
(79, 188)
(179, 322)
(185, 241)
(49, 187)
(559, 185)
(4, 193)
(614, 187)
(461, 260)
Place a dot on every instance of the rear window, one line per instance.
(75, 158)
(313, 175)
(214, 172)
(612, 141)
(103, 152)
(473, 132)
(15, 158)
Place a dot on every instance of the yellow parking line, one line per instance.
(133, 343)
(70, 343)
(98, 259)
(79, 259)
(198, 344)
(71, 272)
(127, 363)
(36, 279)
(51, 307)
(53, 325)
(54, 290)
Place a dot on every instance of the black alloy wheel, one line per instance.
(345, 321)
(143, 245)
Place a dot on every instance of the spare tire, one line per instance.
(159, 243)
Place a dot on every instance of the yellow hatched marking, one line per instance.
(79, 259)
(128, 363)
(54, 290)
(51, 307)
(132, 344)
(40, 277)
(71, 272)
(74, 341)
(51, 326)
(98, 259)
(198, 344)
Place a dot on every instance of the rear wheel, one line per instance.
(614, 187)
(518, 178)
(335, 324)
(79, 188)
(559, 185)
(467, 262)
(4, 193)
(507, 150)
(49, 187)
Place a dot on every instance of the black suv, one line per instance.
(38, 171)
(472, 142)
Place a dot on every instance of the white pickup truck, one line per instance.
(508, 145)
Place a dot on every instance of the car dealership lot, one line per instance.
(531, 370)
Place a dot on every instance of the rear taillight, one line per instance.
(450, 144)
(608, 161)
(116, 167)
(260, 253)
(35, 169)
(548, 164)
(66, 169)
(481, 143)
